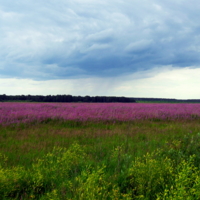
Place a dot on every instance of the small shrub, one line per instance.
(148, 176)
(186, 185)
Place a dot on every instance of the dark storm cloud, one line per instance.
(79, 38)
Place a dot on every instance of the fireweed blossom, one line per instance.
(14, 113)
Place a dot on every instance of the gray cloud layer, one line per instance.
(78, 38)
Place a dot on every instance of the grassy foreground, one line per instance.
(96, 161)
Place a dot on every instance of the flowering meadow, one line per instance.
(13, 113)
(127, 151)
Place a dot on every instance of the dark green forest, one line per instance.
(92, 99)
(63, 98)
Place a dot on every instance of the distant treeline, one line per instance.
(64, 98)
(70, 98)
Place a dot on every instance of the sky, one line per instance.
(133, 48)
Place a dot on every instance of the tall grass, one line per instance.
(18, 113)
(144, 159)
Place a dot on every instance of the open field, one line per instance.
(16, 113)
(99, 151)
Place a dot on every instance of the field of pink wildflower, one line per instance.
(13, 113)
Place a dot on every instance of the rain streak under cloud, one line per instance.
(110, 41)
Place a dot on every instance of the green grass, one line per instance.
(166, 101)
(74, 160)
